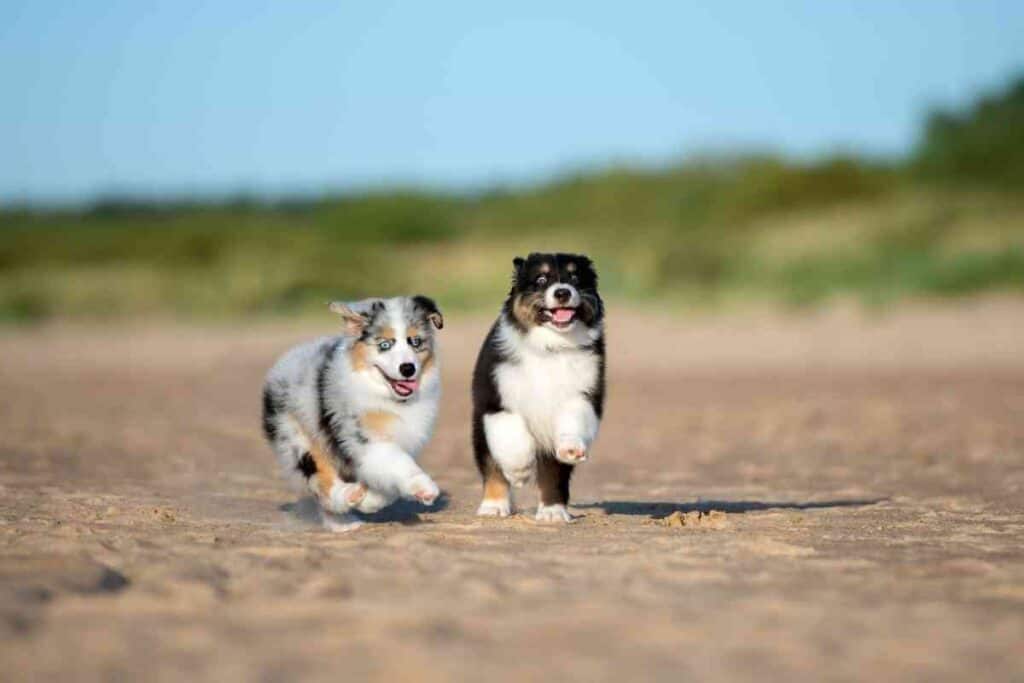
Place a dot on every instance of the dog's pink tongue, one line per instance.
(406, 386)
(562, 315)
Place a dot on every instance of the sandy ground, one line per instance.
(866, 474)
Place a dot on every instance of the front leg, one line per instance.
(374, 501)
(553, 481)
(575, 429)
(390, 471)
(511, 445)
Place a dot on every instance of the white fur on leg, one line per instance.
(391, 471)
(495, 507)
(339, 523)
(576, 429)
(553, 513)
(511, 445)
(374, 501)
(343, 496)
(422, 488)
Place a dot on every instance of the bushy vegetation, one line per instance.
(983, 145)
(947, 222)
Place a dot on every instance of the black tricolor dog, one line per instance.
(538, 385)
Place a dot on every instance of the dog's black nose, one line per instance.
(407, 369)
(562, 294)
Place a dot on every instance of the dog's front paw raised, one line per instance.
(571, 451)
(344, 496)
(422, 488)
(553, 513)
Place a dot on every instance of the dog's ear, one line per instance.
(430, 310)
(517, 268)
(355, 316)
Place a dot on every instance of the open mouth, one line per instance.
(561, 318)
(401, 387)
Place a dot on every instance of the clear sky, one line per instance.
(221, 97)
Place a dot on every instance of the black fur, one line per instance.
(553, 480)
(429, 310)
(486, 397)
(346, 468)
(369, 330)
(306, 465)
(596, 394)
(271, 408)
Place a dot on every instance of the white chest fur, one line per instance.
(539, 383)
(415, 425)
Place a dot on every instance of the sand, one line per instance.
(829, 496)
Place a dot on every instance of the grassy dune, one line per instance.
(701, 234)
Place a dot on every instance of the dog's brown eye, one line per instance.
(542, 280)
(415, 342)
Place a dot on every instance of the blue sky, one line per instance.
(221, 97)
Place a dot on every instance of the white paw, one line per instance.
(571, 451)
(340, 524)
(344, 496)
(374, 501)
(553, 513)
(422, 488)
(494, 508)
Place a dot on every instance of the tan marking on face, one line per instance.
(326, 472)
(524, 310)
(428, 360)
(387, 332)
(571, 267)
(360, 355)
(413, 331)
(495, 485)
(379, 424)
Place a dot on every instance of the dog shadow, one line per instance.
(661, 509)
(405, 512)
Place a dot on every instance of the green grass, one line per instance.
(743, 229)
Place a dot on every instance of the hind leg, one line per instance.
(308, 465)
(333, 494)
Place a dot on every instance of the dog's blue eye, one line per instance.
(415, 342)
(384, 345)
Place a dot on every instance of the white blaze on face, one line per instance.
(391, 361)
(562, 312)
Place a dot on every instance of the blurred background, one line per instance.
(216, 160)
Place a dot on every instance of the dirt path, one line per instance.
(869, 472)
